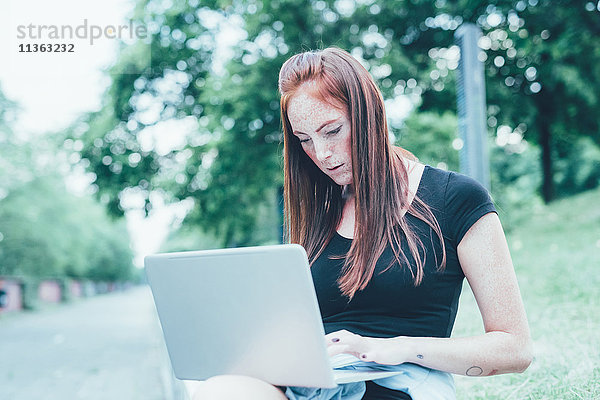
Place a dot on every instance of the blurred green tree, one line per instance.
(47, 232)
(539, 88)
(543, 66)
(44, 230)
(431, 136)
(14, 155)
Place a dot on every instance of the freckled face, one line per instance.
(324, 133)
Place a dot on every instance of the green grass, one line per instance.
(556, 253)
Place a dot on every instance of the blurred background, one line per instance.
(170, 140)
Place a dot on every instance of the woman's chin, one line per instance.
(341, 181)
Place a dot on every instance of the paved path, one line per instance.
(106, 347)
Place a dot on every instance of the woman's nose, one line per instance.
(324, 154)
(323, 151)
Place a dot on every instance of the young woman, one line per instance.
(389, 241)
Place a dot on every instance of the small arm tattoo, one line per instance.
(493, 372)
(474, 371)
(420, 356)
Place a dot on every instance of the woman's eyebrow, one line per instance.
(321, 127)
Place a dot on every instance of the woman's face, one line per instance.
(324, 133)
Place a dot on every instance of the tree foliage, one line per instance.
(539, 87)
(44, 230)
(47, 232)
(14, 167)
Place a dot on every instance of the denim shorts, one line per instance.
(419, 382)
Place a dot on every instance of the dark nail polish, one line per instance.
(364, 356)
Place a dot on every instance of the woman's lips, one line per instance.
(334, 168)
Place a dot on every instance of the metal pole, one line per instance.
(474, 159)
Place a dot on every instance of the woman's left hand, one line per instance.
(390, 351)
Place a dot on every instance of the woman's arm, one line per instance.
(506, 344)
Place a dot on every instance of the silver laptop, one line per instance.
(249, 311)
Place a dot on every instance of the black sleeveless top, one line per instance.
(391, 305)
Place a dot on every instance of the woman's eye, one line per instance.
(336, 130)
(304, 141)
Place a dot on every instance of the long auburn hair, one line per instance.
(313, 202)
